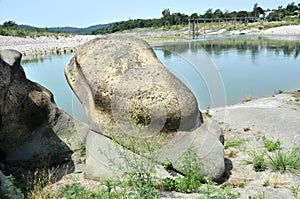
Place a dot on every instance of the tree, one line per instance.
(291, 8)
(226, 13)
(166, 12)
(208, 13)
(166, 17)
(9, 24)
(242, 14)
(218, 14)
(194, 16)
(257, 10)
(280, 12)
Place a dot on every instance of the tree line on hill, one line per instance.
(167, 20)
(170, 19)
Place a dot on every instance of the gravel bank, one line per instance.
(41, 46)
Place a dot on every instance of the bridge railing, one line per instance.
(194, 23)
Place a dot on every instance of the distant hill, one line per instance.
(67, 29)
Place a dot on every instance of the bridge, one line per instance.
(194, 23)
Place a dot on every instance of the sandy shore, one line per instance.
(283, 30)
(48, 45)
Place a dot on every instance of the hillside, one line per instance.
(66, 29)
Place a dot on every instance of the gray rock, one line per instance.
(203, 141)
(107, 159)
(127, 92)
(30, 122)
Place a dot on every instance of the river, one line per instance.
(219, 71)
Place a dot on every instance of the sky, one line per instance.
(84, 13)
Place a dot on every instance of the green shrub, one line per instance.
(259, 163)
(169, 184)
(270, 145)
(209, 190)
(190, 167)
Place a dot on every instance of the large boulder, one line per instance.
(127, 92)
(30, 122)
(120, 78)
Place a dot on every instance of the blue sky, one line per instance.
(83, 13)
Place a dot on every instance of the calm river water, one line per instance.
(219, 71)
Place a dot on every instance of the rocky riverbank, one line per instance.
(244, 125)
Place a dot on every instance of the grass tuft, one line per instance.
(285, 160)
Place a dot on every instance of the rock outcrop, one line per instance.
(30, 122)
(127, 92)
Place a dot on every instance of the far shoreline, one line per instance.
(45, 46)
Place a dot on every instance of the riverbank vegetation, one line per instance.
(170, 20)
(11, 28)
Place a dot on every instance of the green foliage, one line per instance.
(168, 164)
(9, 24)
(82, 149)
(190, 167)
(10, 28)
(259, 196)
(141, 186)
(231, 142)
(285, 161)
(75, 191)
(258, 161)
(207, 112)
(271, 145)
(169, 184)
(279, 92)
(13, 192)
(209, 190)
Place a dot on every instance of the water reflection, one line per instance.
(253, 66)
(253, 44)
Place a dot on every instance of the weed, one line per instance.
(40, 179)
(190, 168)
(168, 164)
(74, 191)
(274, 181)
(271, 145)
(258, 161)
(209, 190)
(13, 192)
(82, 149)
(248, 99)
(285, 161)
(259, 196)
(231, 153)
(169, 184)
(295, 189)
(295, 98)
(233, 142)
(207, 112)
(141, 185)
